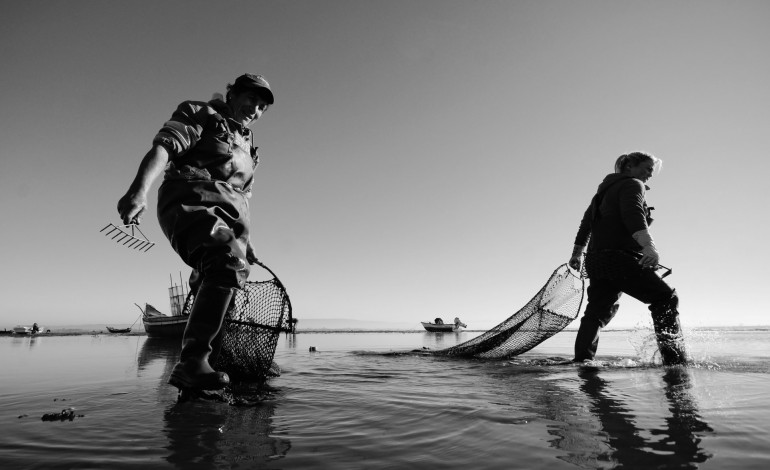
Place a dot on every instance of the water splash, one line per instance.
(642, 339)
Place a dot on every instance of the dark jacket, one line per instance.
(616, 211)
(203, 135)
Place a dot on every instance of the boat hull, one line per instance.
(26, 330)
(118, 330)
(434, 328)
(165, 326)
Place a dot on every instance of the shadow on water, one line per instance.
(616, 437)
(210, 433)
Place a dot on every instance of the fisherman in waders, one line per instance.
(207, 152)
(621, 257)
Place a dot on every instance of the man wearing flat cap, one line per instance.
(208, 157)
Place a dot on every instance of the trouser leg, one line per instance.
(602, 307)
(216, 345)
(200, 336)
(207, 225)
(668, 332)
(663, 302)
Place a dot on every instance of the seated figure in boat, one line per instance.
(438, 321)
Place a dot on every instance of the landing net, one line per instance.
(256, 317)
(554, 307)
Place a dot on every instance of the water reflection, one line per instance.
(617, 437)
(164, 349)
(209, 433)
(291, 340)
(436, 339)
(29, 341)
(685, 426)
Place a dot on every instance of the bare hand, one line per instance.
(131, 207)
(133, 204)
(576, 262)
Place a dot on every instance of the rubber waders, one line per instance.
(668, 333)
(193, 369)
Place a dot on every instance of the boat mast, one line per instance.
(176, 296)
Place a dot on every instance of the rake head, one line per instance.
(127, 235)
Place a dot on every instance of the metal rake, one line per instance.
(130, 240)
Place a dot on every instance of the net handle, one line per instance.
(278, 282)
(264, 266)
(657, 267)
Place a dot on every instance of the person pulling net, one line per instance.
(621, 257)
(554, 307)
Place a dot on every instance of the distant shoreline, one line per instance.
(74, 332)
(63, 331)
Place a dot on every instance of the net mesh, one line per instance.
(554, 307)
(257, 315)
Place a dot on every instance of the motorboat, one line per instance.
(438, 326)
(27, 330)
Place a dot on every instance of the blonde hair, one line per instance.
(635, 158)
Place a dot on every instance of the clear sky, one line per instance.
(423, 158)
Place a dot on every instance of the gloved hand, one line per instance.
(576, 260)
(650, 256)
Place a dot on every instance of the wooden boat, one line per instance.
(440, 327)
(159, 325)
(118, 330)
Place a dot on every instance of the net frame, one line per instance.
(257, 315)
(554, 307)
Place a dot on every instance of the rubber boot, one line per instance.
(587, 340)
(668, 333)
(193, 369)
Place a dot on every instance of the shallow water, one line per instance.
(353, 404)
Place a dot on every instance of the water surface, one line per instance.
(375, 401)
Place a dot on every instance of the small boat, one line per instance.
(26, 330)
(118, 330)
(160, 325)
(438, 326)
